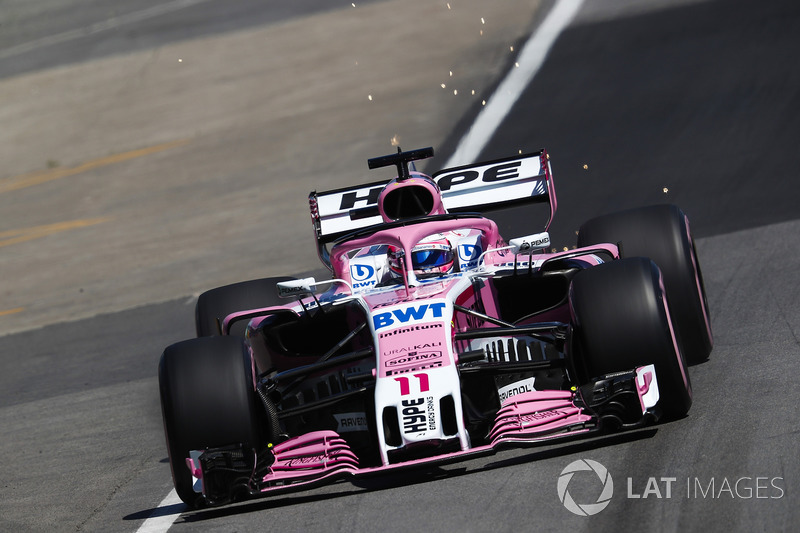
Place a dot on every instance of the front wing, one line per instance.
(618, 401)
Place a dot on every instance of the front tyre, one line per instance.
(621, 321)
(207, 400)
(661, 233)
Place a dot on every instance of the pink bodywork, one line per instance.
(425, 368)
(536, 412)
(320, 455)
(407, 237)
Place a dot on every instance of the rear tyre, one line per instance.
(207, 400)
(661, 232)
(214, 305)
(622, 322)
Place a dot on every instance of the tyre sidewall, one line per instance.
(214, 305)
(207, 400)
(621, 317)
(661, 233)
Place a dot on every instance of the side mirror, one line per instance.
(296, 287)
(529, 243)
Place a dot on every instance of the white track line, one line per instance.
(97, 27)
(160, 520)
(508, 92)
(530, 61)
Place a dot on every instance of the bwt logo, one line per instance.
(361, 273)
(585, 509)
(468, 253)
(409, 314)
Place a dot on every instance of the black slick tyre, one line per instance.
(661, 233)
(621, 320)
(214, 305)
(207, 400)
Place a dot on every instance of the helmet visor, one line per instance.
(423, 259)
(432, 258)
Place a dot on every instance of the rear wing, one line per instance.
(498, 184)
(478, 188)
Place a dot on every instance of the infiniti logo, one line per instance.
(585, 509)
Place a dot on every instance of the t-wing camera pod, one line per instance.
(400, 160)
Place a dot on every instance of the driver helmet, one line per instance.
(432, 257)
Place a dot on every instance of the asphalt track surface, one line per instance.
(694, 103)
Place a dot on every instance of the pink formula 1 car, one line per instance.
(434, 339)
